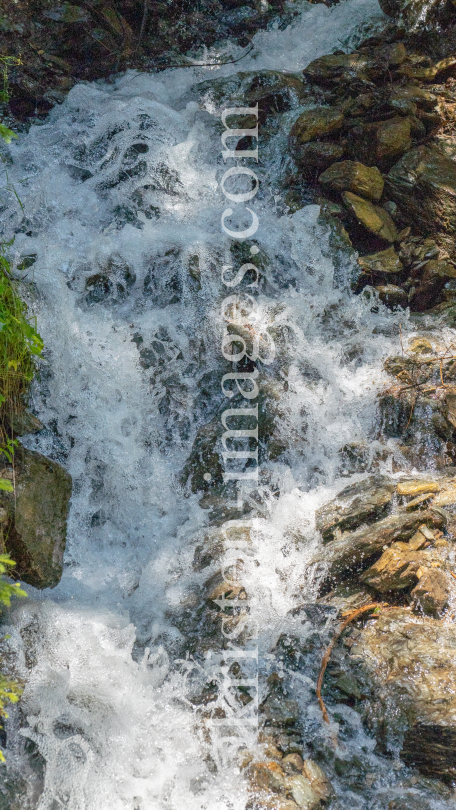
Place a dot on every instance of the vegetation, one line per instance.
(20, 345)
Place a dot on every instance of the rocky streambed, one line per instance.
(360, 148)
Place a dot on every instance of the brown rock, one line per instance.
(391, 649)
(363, 66)
(384, 262)
(354, 549)
(433, 591)
(267, 776)
(417, 487)
(414, 94)
(423, 184)
(311, 157)
(374, 218)
(292, 763)
(318, 779)
(398, 568)
(316, 122)
(392, 139)
(349, 175)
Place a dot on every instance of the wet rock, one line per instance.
(398, 568)
(423, 184)
(303, 793)
(411, 12)
(434, 591)
(279, 711)
(292, 763)
(353, 550)
(384, 262)
(349, 175)
(374, 218)
(22, 422)
(268, 776)
(358, 503)
(316, 122)
(392, 295)
(416, 487)
(365, 66)
(384, 142)
(38, 511)
(391, 650)
(318, 779)
(317, 156)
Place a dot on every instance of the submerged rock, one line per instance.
(37, 513)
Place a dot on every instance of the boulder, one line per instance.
(37, 517)
(423, 184)
(374, 218)
(415, 95)
(358, 503)
(349, 175)
(409, 661)
(315, 123)
(385, 262)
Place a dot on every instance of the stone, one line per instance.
(316, 122)
(292, 763)
(412, 13)
(38, 511)
(358, 503)
(408, 488)
(350, 175)
(417, 541)
(374, 218)
(318, 779)
(23, 422)
(409, 663)
(392, 138)
(398, 568)
(392, 295)
(423, 184)
(363, 66)
(279, 711)
(303, 793)
(433, 591)
(450, 406)
(267, 776)
(353, 550)
(317, 156)
(445, 498)
(384, 262)
(414, 94)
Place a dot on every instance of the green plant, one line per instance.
(10, 691)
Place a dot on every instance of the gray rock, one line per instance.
(358, 503)
(36, 531)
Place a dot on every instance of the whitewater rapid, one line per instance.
(120, 191)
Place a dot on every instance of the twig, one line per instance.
(143, 24)
(211, 64)
(328, 652)
(453, 575)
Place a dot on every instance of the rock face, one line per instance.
(35, 528)
(392, 649)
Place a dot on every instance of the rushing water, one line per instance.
(122, 209)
